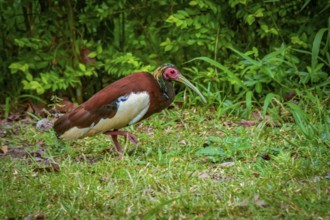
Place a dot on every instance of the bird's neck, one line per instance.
(166, 88)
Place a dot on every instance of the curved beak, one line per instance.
(185, 81)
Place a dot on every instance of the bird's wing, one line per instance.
(114, 107)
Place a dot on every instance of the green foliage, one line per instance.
(243, 51)
(187, 170)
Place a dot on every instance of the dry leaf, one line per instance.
(243, 203)
(4, 149)
(56, 167)
(227, 123)
(53, 168)
(247, 123)
(259, 201)
(37, 153)
(265, 156)
(183, 142)
(256, 200)
(290, 96)
(227, 164)
(203, 176)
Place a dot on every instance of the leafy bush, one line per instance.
(255, 48)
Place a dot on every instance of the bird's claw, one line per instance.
(132, 138)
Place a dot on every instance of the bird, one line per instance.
(122, 103)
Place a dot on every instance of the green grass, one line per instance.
(178, 171)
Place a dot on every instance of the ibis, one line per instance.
(122, 103)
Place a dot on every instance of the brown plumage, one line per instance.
(126, 101)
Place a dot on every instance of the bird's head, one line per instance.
(169, 72)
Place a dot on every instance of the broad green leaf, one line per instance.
(82, 67)
(248, 101)
(233, 78)
(250, 19)
(268, 100)
(316, 46)
(93, 54)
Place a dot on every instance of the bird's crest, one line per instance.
(158, 73)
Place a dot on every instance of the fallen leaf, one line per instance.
(228, 123)
(103, 179)
(284, 206)
(36, 108)
(36, 217)
(256, 200)
(259, 201)
(4, 149)
(290, 96)
(39, 216)
(294, 154)
(243, 203)
(41, 143)
(54, 167)
(38, 159)
(247, 123)
(183, 142)
(203, 176)
(14, 117)
(37, 153)
(265, 156)
(227, 164)
(29, 217)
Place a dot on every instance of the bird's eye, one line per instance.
(172, 71)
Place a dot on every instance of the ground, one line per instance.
(189, 164)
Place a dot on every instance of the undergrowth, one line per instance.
(189, 163)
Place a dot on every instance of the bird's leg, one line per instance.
(118, 147)
(130, 136)
(114, 135)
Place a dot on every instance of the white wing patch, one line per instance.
(130, 110)
(74, 133)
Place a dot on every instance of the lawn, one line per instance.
(189, 164)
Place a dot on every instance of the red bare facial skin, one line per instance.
(171, 74)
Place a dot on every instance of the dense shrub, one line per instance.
(74, 48)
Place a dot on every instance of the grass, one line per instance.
(179, 170)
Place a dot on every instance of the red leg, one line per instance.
(130, 136)
(114, 135)
(118, 147)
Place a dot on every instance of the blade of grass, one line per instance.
(32, 97)
(301, 120)
(150, 214)
(316, 46)
(233, 78)
(7, 107)
(246, 57)
(267, 102)
(248, 102)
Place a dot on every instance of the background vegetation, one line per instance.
(74, 48)
(262, 65)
